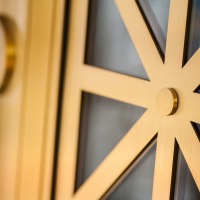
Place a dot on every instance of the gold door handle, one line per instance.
(8, 52)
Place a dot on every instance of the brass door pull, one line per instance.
(8, 51)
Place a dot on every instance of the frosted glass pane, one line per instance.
(139, 182)
(194, 34)
(157, 13)
(109, 45)
(104, 122)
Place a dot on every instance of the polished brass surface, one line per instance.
(169, 130)
(10, 52)
(41, 72)
(167, 101)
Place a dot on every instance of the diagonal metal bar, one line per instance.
(119, 159)
(191, 71)
(116, 86)
(190, 148)
(141, 36)
(164, 163)
(176, 33)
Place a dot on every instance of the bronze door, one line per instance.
(166, 89)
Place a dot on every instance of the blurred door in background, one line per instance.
(28, 103)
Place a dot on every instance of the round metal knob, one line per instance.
(167, 101)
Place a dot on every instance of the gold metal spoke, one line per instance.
(191, 71)
(192, 108)
(176, 33)
(190, 147)
(141, 37)
(119, 159)
(164, 163)
(116, 86)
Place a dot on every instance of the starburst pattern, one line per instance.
(169, 74)
(168, 129)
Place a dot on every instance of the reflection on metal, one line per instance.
(10, 52)
(167, 101)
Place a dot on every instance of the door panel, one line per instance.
(167, 94)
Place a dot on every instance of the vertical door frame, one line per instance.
(39, 100)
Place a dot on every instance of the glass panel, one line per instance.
(197, 90)
(157, 13)
(109, 45)
(138, 184)
(186, 188)
(194, 36)
(103, 124)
